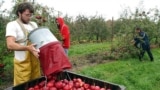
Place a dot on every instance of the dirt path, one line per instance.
(79, 63)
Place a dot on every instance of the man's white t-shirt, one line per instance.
(14, 29)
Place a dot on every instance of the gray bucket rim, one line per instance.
(36, 30)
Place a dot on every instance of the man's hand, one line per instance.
(33, 50)
(132, 42)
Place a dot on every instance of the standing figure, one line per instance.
(26, 63)
(65, 33)
(142, 42)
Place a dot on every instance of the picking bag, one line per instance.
(53, 58)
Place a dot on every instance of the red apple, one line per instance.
(53, 88)
(97, 88)
(86, 86)
(59, 84)
(36, 87)
(45, 88)
(67, 87)
(49, 77)
(38, 17)
(2, 65)
(77, 84)
(31, 88)
(65, 81)
(102, 89)
(79, 80)
(50, 84)
(92, 87)
(74, 80)
(63, 84)
(41, 84)
(80, 88)
(71, 83)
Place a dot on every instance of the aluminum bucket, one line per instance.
(41, 36)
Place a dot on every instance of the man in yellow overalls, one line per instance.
(26, 63)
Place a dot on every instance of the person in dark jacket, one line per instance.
(65, 33)
(142, 42)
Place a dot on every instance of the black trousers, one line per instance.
(146, 48)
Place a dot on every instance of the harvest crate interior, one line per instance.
(71, 75)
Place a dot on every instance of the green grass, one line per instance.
(83, 49)
(131, 73)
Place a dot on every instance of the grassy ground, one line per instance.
(88, 48)
(131, 73)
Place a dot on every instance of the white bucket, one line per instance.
(41, 36)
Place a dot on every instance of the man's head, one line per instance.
(137, 30)
(59, 21)
(24, 12)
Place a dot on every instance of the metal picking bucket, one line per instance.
(41, 36)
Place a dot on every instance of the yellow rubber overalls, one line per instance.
(28, 69)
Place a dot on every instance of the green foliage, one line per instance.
(3, 49)
(88, 29)
(124, 30)
(94, 28)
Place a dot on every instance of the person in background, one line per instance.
(65, 33)
(26, 64)
(142, 42)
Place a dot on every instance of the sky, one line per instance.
(105, 8)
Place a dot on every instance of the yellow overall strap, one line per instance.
(25, 31)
